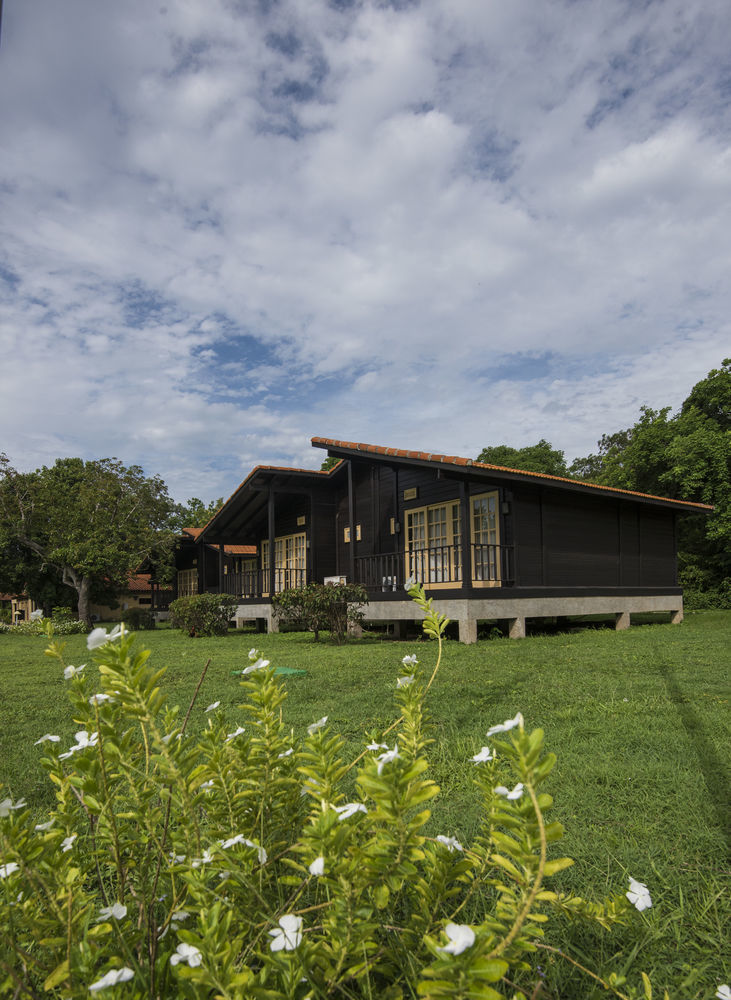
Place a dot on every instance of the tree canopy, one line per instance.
(541, 457)
(87, 525)
(685, 456)
(196, 514)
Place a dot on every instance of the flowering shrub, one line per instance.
(318, 606)
(39, 626)
(203, 614)
(246, 862)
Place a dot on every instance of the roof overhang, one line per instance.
(467, 468)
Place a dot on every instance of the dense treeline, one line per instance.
(686, 456)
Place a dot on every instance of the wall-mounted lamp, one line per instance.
(505, 507)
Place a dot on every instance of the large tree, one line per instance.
(686, 456)
(196, 514)
(91, 523)
(541, 457)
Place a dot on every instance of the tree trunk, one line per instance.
(82, 586)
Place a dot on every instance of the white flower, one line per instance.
(68, 842)
(403, 682)
(316, 725)
(238, 839)
(410, 661)
(261, 853)
(461, 937)
(237, 732)
(8, 869)
(186, 953)
(410, 583)
(72, 671)
(377, 746)
(484, 755)
(288, 935)
(388, 757)
(35, 615)
(506, 726)
(42, 827)
(117, 910)
(253, 654)
(259, 665)
(178, 917)
(350, 809)
(286, 753)
(48, 737)
(723, 992)
(83, 740)
(7, 804)
(451, 843)
(317, 867)
(205, 860)
(638, 895)
(507, 794)
(207, 784)
(113, 977)
(98, 636)
(213, 705)
(97, 699)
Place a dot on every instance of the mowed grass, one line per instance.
(639, 721)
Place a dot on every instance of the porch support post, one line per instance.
(621, 620)
(516, 628)
(676, 617)
(270, 514)
(351, 521)
(202, 579)
(466, 536)
(220, 567)
(468, 630)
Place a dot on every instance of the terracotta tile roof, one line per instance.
(193, 532)
(140, 582)
(240, 550)
(433, 457)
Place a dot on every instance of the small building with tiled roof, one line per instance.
(487, 542)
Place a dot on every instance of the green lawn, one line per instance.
(639, 721)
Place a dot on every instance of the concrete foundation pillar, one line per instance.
(272, 624)
(468, 630)
(516, 628)
(400, 629)
(676, 617)
(621, 620)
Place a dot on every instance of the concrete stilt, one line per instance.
(676, 617)
(621, 620)
(468, 630)
(517, 628)
(272, 624)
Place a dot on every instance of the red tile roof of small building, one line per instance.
(435, 458)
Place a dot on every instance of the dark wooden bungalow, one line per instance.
(487, 542)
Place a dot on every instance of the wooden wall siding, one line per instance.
(526, 516)
(629, 545)
(581, 541)
(322, 556)
(657, 552)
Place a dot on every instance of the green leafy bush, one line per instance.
(39, 626)
(244, 862)
(61, 615)
(203, 614)
(318, 607)
(139, 618)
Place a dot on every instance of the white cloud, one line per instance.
(224, 229)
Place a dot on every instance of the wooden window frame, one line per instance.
(451, 508)
(472, 498)
(281, 557)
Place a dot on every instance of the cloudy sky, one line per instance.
(228, 226)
